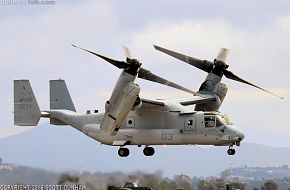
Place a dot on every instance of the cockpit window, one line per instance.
(213, 121)
(225, 119)
(209, 121)
(218, 122)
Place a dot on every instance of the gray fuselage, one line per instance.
(172, 124)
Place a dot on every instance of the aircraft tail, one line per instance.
(59, 99)
(59, 96)
(26, 109)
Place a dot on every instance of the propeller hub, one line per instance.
(220, 64)
(134, 62)
(219, 67)
(133, 66)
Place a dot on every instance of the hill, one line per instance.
(249, 177)
(16, 174)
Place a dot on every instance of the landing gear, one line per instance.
(148, 151)
(231, 150)
(123, 152)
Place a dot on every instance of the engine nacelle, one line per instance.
(219, 91)
(122, 101)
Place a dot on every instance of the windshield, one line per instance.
(225, 119)
(216, 121)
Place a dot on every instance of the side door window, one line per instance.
(189, 124)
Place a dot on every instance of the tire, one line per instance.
(123, 152)
(148, 151)
(231, 151)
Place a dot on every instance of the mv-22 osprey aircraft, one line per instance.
(132, 120)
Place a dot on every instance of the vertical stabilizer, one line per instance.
(59, 96)
(26, 109)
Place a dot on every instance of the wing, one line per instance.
(149, 104)
(152, 102)
(196, 100)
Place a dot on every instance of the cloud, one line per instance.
(259, 56)
(38, 48)
(204, 37)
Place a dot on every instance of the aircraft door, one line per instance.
(189, 124)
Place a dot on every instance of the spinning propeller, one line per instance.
(218, 66)
(133, 67)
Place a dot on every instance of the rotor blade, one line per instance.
(232, 76)
(201, 64)
(148, 75)
(119, 64)
(222, 55)
(127, 52)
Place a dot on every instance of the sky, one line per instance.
(36, 45)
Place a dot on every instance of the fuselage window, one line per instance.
(209, 121)
(190, 122)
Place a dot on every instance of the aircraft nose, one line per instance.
(241, 135)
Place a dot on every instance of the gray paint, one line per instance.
(59, 96)
(156, 122)
(26, 109)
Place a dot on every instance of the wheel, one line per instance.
(123, 152)
(148, 151)
(231, 151)
(151, 150)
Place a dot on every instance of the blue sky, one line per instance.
(35, 44)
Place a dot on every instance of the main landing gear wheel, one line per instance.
(231, 150)
(148, 151)
(123, 152)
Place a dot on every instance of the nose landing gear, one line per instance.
(231, 150)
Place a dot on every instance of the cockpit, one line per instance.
(215, 119)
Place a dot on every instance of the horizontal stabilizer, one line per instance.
(26, 109)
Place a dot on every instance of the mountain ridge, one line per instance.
(64, 148)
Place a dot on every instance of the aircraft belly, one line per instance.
(151, 136)
(168, 137)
